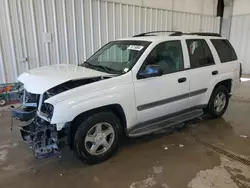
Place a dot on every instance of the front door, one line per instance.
(166, 94)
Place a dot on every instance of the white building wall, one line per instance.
(240, 35)
(208, 7)
(37, 33)
(241, 7)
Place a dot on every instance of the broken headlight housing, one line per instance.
(30, 99)
(47, 110)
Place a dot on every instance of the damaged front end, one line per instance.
(35, 131)
(41, 136)
(36, 115)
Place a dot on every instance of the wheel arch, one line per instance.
(227, 83)
(114, 108)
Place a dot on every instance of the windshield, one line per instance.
(117, 57)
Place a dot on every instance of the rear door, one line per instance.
(229, 66)
(201, 72)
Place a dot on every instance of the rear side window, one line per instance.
(199, 53)
(224, 50)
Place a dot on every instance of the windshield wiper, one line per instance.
(85, 63)
(106, 69)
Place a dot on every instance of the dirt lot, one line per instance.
(205, 153)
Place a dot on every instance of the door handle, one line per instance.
(215, 72)
(181, 80)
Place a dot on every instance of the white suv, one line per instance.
(130, 87)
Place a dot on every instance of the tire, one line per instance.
(214, 108)
(2, 102)
(89, 135)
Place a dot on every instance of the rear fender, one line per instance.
(214, 82)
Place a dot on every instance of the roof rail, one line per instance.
(151, 32)
(205, 34)
(179, 33)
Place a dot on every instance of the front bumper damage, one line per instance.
(38, 133)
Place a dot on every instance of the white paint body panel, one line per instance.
(159, 88)
(41, 79)
(71, 103)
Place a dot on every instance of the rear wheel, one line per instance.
(97, 137)
(218, 102)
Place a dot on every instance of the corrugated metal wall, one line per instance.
(36, 33)
(240, 39)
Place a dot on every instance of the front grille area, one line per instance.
(30, 98)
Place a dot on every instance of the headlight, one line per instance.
(47, 109)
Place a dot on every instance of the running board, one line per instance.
(163, 122)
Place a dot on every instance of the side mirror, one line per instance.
(151, 71)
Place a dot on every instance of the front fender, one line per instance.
(66, 111)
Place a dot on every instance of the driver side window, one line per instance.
(167, 56)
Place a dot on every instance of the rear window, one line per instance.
(224, 50)
(199, 53)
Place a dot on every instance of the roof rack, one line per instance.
(179, 33)
(152, 32)
(205, 34)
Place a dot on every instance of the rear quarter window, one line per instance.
(224, 50)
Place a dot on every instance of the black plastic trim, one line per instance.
(198, 92)
(170, 100)
(165, 117)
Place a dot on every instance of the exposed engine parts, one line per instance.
(38, 133)
(41, 136)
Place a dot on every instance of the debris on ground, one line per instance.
(3, 155)
(7, 168)
(181, 146)
(157, 169)
(165, 148)
(164, 185)
(32, 171)
(244, 136)
(61, 174)
(11, 145)
(96, 179)
(149, 182)
(59, 157)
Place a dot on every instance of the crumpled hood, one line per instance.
(39, 80)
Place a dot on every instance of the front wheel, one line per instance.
(97, 137)
(218, 102)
